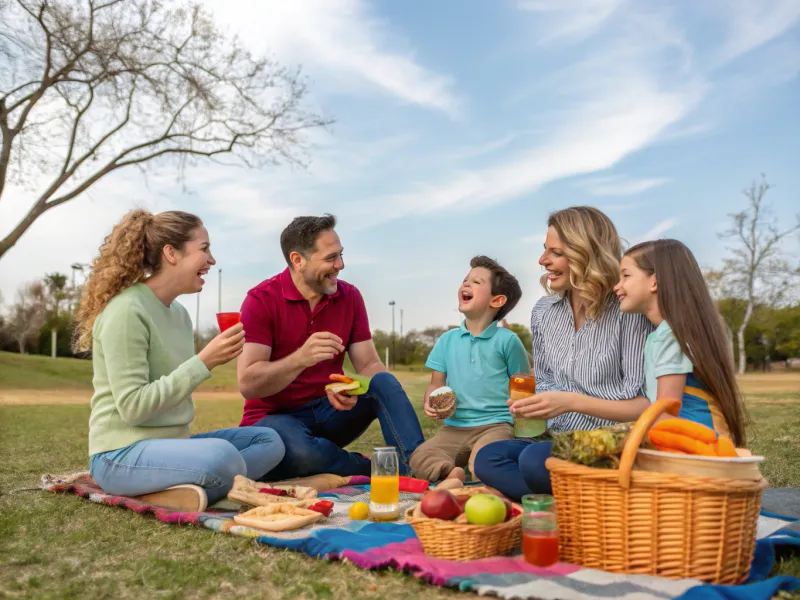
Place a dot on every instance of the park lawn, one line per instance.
(61, 546)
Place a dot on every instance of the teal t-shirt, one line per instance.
(663, 356)
(478, 370)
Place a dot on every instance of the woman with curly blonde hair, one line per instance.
(145, 369)
(587, 355)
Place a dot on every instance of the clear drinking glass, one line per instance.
(384, 495)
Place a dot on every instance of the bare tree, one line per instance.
(28, 314)
(91, 86)
(756, 270)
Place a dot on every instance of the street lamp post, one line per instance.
(219, 298)
(392, 303)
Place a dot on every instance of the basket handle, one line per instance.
(640, 429)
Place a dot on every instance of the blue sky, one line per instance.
(461, 125)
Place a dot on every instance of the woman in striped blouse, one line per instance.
(587, 355)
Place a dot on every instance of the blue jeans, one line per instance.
(316, 433)
(515, 467)
(210, 460)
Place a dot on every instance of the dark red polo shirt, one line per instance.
(275, 314)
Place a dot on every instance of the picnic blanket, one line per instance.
(394, 545)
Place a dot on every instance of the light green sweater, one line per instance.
(145, 371)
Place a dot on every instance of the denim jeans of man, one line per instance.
(315, 434)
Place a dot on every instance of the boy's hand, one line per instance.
(428, 412)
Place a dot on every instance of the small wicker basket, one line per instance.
(666, 524)
(461, 541)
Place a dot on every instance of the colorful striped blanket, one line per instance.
(381, 545)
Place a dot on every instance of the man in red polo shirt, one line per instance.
(298, 325)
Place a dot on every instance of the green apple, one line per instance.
(485, 509)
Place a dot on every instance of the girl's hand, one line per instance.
(223, 348)
(541, 406)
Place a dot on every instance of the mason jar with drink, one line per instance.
(522, 385)
(539, 530)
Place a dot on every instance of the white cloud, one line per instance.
(620, 186)
(571, 19)
(753, 24)
(657, 231)
(594, 137)
(338, 39)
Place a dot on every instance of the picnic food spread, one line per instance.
(442, 401)
(682, 436)
(466, 523)
(342, 384)
(599, 448)
(251, 492)
(278, 517)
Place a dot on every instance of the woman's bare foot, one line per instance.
(457, 473)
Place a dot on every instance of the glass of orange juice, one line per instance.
(384, 494)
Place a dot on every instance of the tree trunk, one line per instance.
(740, 335)
(21, 343)
(53, 342)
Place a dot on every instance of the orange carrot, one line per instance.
(665, 449)
(667, 439)
(701, 433)
(342, 378)
(726, 448)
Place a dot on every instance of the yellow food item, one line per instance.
(359, 511)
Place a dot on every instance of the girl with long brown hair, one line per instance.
(587, 355)
(145, 369)
(688, 355)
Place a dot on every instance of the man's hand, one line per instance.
(320, 346)
(340, 401)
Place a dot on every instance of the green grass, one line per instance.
(33, 372)
(61, 546)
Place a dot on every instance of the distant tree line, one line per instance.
(756, 290)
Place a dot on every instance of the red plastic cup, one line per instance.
(227, 320)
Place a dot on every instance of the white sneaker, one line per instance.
(186, 497)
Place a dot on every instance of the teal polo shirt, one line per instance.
(478, 369)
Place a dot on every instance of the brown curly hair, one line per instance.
(593, 250)
(129, 254)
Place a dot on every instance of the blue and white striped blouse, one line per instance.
(604, 359)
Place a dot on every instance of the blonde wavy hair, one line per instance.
(129, 254)
(593, 250)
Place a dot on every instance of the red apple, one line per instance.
(440, 504)
(462, 500)
(508, 508)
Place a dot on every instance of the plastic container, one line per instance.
(522, 385)
(384, 495)
(226, 320)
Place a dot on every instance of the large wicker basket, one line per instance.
(462, 541)
(664, 524)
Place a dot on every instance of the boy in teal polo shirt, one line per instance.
(476, 361)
